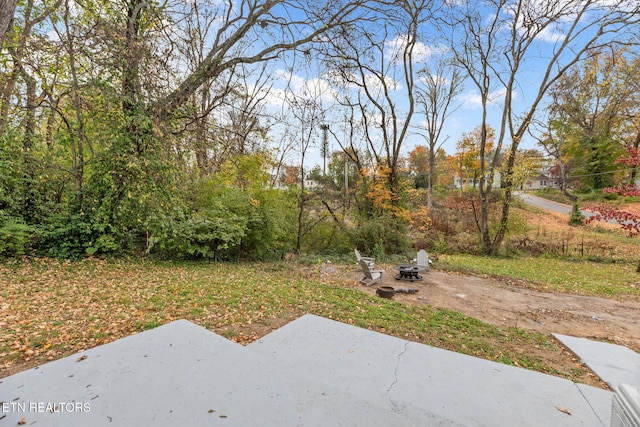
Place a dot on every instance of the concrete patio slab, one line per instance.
(312, 372)
(181, 374)
(462, 389)
(614, 364)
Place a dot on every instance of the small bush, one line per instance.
(576, 216)
(15, 238)
(67, 236)
(516, 224)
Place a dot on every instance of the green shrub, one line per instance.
(384, 235)
(516, 224)
(67, 236)
(198, 237)
(15, 237)
(271, 225)
(327, 237)
(576, 216)
(231, 215)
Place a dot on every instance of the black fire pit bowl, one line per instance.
(385, 291)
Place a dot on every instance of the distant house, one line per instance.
(311, 184)
(282, 181)
(465, 182)
(538, 182)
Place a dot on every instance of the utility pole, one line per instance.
(325, 148)
(346, 176)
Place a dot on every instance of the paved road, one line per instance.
(541, 203)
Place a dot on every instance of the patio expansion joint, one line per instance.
(595, 412)
(395, 371)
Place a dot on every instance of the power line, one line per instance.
(600, 173)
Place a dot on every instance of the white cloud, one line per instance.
(473, 100)
(432, 80)
(421, 51)
(295, 82)
(316, 89)
(549, 34)
(273, 97)
(376, 84)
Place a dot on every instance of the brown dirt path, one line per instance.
(507, 303)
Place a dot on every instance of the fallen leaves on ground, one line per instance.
(563, 409)
(51, 309)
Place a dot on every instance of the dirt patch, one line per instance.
(510, 304)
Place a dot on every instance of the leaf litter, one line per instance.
(52, 309)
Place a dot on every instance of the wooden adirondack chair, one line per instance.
(422, 259)
(370, 276)
(371, 262)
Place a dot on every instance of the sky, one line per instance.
(464, 119)
(310, 81)
(468, 110)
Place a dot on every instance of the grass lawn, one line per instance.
(50, 309)
(612, 280)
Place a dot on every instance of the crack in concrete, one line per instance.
(395, 371)
(604, 423)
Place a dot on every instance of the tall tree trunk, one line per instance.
(302, 204)
(131, 100)
(7, 9)
(202, 157)
(5, 98)
(28, 203)
(634, 168)
(77, 134)
(432, 166)
(506, 203)
(564, 182)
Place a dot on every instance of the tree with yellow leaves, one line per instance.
(469, 162)
(419, 166)
(385, 198)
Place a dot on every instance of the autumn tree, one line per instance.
(437, 86)
(631, 127)
(291, 175)
(419, 166)
(493, 40)
(628, 221)
(529, 164)
(442, 171)
(470, 161)
(591, 105)
(372, 64)
(631, 160)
